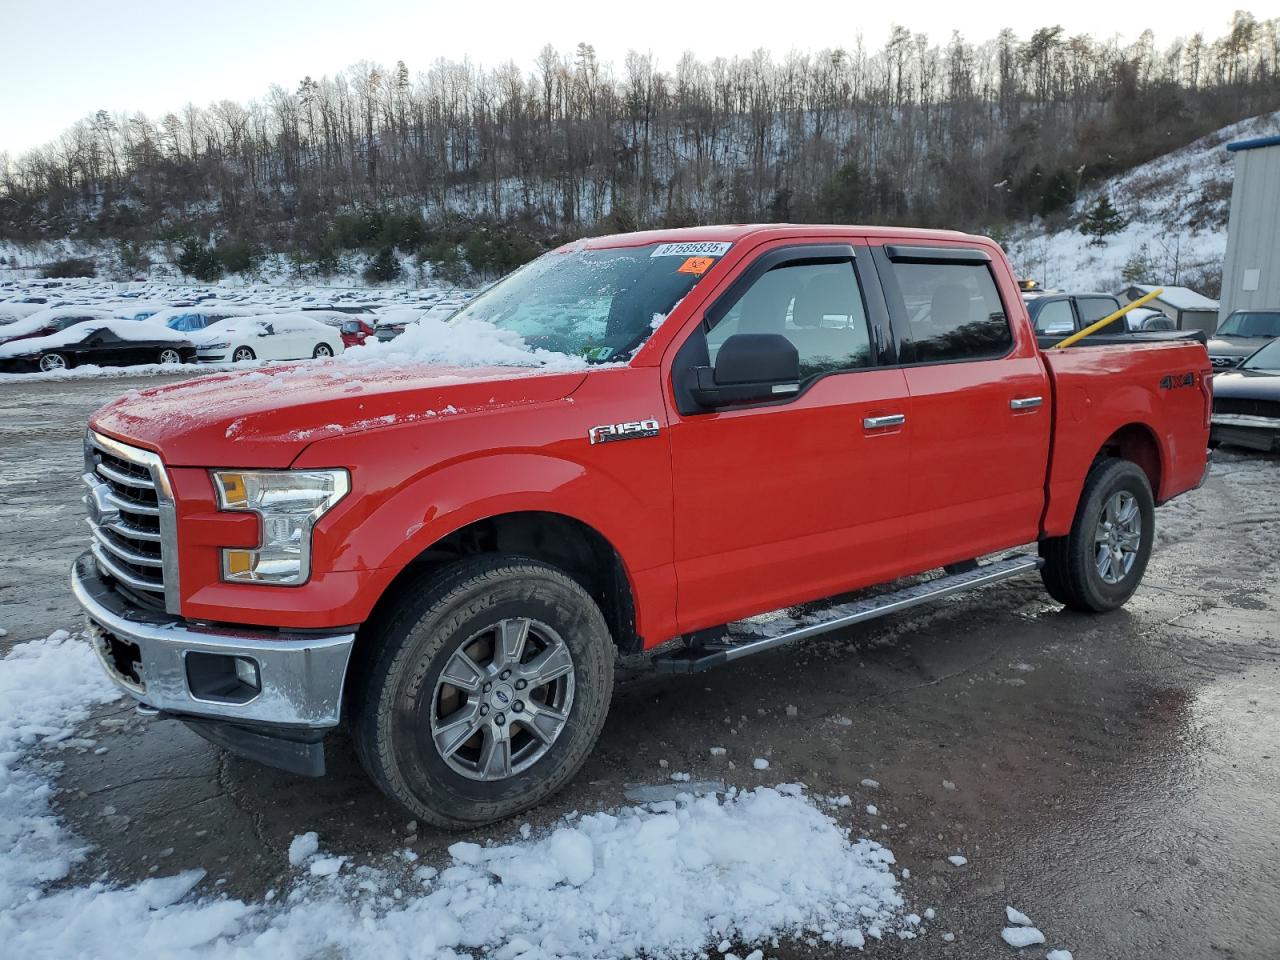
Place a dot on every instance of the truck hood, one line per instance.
(1247, 385)
(1234, 346)
(265, 418)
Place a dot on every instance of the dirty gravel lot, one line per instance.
(1115, 777)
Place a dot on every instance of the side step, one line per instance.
(733, 645)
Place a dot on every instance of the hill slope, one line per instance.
(1175, 208)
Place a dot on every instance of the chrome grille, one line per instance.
(131, 517)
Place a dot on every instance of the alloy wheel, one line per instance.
(1118, 537)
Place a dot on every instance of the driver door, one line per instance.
(804, 496)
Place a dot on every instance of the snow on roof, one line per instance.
(42, 318)
(1180, 298)
(124, 329)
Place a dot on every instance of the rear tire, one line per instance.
(460, 756)
(322, 350)
(1099, 564)
(169, 357)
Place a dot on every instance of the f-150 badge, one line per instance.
(631, 430)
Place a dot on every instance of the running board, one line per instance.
(703, 656)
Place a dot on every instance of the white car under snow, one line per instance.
(275, 336)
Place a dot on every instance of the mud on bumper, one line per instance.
(265, 694)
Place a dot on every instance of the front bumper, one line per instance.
(149, 656)
(1242, 430)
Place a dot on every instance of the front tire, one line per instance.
(488, 688)
(1099, 564)
(242, 354)
(54, 361)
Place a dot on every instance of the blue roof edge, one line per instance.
(1253, 144)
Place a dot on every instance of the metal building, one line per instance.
(1251, 272)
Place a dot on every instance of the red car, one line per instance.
(711, 424)
(355, 331)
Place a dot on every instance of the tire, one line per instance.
(1084, 573)
(402, 706)
(322, 350)
(240, 354)
(54, 361)
(169, 357)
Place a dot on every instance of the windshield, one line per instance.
(1251, 323)
(1267, 358)
(597, 304)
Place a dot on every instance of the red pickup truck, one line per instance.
(710, 424)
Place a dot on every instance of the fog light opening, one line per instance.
(223, 678)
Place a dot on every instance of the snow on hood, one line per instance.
(124, 329)
(271, 414)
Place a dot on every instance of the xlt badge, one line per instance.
(631, 430)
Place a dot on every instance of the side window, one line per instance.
(1093, 309)
(817, 306)
(953, 311)
(1055, 318)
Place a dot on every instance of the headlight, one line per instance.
(214, 346)
(289, 502)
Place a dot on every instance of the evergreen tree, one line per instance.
(1103, 220)
(383, 268)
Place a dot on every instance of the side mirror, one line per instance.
(749, 367)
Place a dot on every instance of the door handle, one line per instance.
(888, 420)
(1025, 403)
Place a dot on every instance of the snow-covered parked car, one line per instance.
(49, 321)
(109, 342)
(272, 336)
(192, 318)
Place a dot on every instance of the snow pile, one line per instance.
(46, 687)
(462, 343)
(1176, 211)
(659, 880)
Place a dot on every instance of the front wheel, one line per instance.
(54, 361)
(242, 354)
(488, 687)
(1099, 564)
(322, 350)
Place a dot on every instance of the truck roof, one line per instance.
(735, 232)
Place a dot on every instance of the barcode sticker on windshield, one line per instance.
(701, 248)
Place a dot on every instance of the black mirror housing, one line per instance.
(749, 367)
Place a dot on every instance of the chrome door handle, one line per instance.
(888, 420)
(1025, 403)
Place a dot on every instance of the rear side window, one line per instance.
(817, 306)
(953, 311)
(1093, 309)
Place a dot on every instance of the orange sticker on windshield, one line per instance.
(696, 265)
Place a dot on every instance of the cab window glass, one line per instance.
(1093, 309)
(817, 306)
(1055, 318)
(953, 311)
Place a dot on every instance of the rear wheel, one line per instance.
(1099, 564)
(54, 361)
(322, 350)
(241, 354)
(488, 689)
(169, 355)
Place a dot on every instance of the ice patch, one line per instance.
(1058, 955)
(303, 847)
(1019, 937)
(760, 763)
(957, 860)
(1018, 917)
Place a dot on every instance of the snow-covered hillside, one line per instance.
(1175, 208)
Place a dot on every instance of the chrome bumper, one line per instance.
(301, 675)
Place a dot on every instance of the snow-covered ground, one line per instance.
(664, 879)
(1176, 210)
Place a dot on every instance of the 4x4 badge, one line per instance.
(631, 430)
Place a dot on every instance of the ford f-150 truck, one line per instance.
(709, 424)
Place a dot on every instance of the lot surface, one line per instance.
(1115, 777)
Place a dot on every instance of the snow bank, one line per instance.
(659, 880)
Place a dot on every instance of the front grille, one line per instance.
(1246, 407)
(130, 517)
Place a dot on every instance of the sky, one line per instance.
(62, 60)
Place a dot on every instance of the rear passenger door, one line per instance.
(979, 421)
(800, 497)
